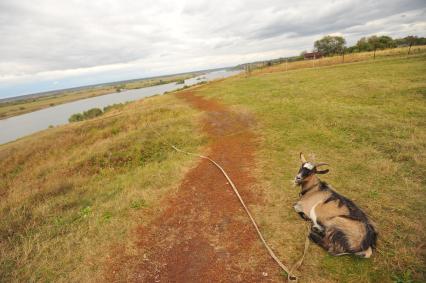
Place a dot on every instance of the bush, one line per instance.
(92, 113)
(76, 117)
(89, 114)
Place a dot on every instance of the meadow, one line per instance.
(72, 193)
(368, 121)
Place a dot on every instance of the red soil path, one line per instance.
(204, 235)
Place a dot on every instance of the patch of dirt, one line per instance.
(204, 235)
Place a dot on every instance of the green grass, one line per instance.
(70, 194)
(368, 120)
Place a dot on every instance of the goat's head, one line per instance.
(307, 170)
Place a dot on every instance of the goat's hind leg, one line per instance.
(318, 238)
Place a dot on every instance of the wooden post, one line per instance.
(313, 62)
(286, 63)
(343, 56)
(374, 54)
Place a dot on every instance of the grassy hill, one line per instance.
(368, 120)
(70, 193)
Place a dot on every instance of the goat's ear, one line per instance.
(320, 164)
(302, 158)
(322, 171)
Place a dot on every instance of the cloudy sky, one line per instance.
(54, 44)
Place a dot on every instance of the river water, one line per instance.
(25, 124)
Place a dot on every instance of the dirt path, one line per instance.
(204, 235)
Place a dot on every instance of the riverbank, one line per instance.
(22, 125)
(19, 107)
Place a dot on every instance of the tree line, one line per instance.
(333, 45)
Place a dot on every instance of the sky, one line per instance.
(55, 44)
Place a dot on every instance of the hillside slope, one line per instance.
(73, 196)
(69, 194)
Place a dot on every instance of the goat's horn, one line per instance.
(302, 158)
(321, 164)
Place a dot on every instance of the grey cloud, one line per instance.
(160, 36)
(339, 17)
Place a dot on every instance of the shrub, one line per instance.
(76, 117)
(92, 113)
(89, 114)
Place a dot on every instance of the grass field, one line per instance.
(71, 192)
(14, 108)
(368, 120)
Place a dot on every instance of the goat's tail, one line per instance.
(370, 237)
(369, 241)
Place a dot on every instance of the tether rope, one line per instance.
(290, 271)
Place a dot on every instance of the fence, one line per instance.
(345, 58)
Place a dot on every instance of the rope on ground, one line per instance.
(290, 271)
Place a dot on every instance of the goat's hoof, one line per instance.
(297, 207)
(318, 230)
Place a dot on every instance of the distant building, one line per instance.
(312, 55)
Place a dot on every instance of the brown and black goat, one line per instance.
(338, 225)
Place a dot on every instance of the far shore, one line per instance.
(19, 107)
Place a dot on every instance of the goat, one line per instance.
(338, 225)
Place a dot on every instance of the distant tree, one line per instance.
(386, 42)
(375, 42)
(352, 49)
(330, 45)
(364, 45)
(411, 40)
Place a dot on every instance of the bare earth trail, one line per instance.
(204, 235)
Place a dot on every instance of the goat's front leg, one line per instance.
(299, 209)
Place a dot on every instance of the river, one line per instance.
(19, 126)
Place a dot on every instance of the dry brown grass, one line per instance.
(70, 193)
(348, 58)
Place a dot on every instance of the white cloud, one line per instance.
(50, 40)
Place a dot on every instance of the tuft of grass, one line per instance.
(70, 193)
(368, 120)
(138, 204)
